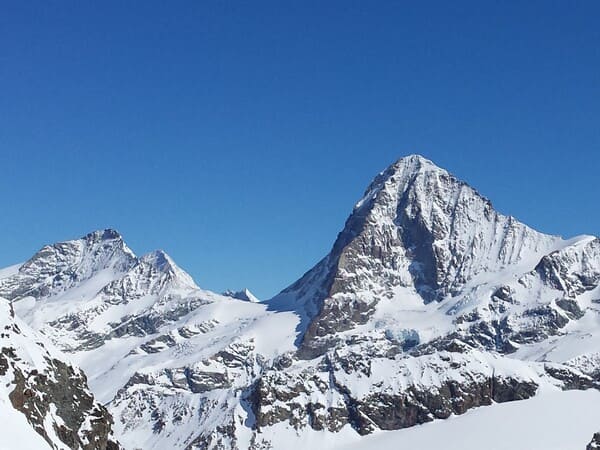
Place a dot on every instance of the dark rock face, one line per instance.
(414, 406)
(571, 378)
(188, 378)
(36, 394)
(501, 335)
(222, 438)
(571, 308)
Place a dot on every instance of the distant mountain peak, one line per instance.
(244, 295)
(58, 267)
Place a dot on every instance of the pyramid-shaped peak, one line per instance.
(244, 295)
(417, 227)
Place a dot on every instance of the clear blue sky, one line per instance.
(237, 136)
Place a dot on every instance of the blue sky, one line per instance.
(237, 136)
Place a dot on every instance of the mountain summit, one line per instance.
(418, 227)
(244, 294)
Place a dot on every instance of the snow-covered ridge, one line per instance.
(62, 266)
(78, 292)
(140, 326)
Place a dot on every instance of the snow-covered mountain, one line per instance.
(417, 232)
(429, 304)
(244, 294)
(168, 358)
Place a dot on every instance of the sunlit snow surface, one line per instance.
(16, 431)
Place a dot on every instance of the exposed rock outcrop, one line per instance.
(51, 394)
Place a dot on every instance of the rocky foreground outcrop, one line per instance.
(51, 394)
